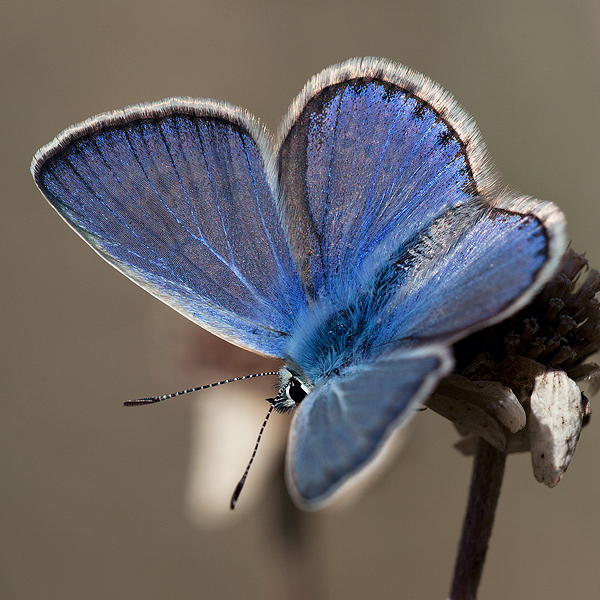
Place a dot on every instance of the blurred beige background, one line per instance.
(92, 495)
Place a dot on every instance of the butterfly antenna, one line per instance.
(155, 399)
(242, 481)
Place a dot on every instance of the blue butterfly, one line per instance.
(357, 247)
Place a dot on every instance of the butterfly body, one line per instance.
(357, 247)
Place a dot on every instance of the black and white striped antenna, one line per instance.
(155, 399)
(242, 481)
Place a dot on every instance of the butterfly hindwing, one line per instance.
(468, 269)
(370, 151)
(388, 190)
(180, 197)
(402, 237)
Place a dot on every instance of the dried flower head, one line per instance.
(515, 383)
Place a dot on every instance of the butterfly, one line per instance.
(357, 245)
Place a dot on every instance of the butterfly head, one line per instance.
(293, 388)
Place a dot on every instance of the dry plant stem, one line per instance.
(486, 480)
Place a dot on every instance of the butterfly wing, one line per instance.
(376, 162)
(179, 196)
(467, 269)
(403, 236)
(343, 423)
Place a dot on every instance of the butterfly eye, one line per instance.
(291, 393)
(296, 391)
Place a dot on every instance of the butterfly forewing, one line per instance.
(340, 426)
(177, 196)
